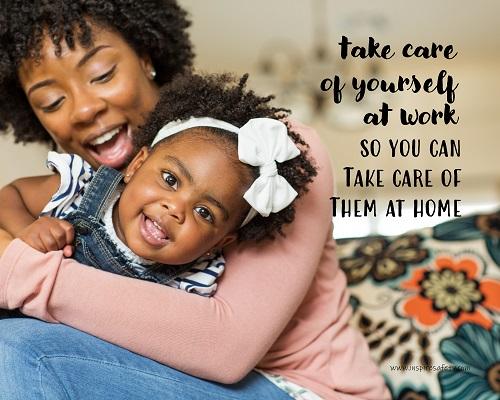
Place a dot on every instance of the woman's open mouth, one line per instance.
(113, 148)
(152, 232)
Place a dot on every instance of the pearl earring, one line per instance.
(152, 73)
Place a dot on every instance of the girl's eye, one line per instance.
(204, 213)
(104, 77)
(52, 106)
(170, 179)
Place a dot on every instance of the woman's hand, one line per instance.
(5, 239)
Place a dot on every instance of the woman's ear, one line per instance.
(136, 163)
(148, 67)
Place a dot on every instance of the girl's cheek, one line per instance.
(148, 194)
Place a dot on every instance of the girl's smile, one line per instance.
(152, 232)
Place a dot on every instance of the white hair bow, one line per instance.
(261, 142)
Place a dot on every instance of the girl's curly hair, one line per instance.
(156, 28)
(223, 97)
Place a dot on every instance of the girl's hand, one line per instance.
(49, 234)
(5, 239)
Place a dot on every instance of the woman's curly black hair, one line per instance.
(156, 28)
(223, 97)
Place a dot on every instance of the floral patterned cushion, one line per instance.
(428, 303)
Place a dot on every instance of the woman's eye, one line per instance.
(170, 179)
(204, 213)
(52, 106)
(104, 77)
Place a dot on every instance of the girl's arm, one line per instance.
(5, 240)
(260, 291)
(23, 200)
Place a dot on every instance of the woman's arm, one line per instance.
(261, 289)
(24, 199)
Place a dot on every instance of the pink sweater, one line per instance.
(281, 305)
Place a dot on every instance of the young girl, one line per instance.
(198, 183)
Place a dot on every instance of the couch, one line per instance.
(428, 303)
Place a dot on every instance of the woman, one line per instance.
(85, 74)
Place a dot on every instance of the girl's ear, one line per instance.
(229, 238)
(136, 163)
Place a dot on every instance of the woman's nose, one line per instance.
(176, 208)
(86, 107)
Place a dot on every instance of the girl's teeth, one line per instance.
(104, 138)
(157, 226)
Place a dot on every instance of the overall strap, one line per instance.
(98, 194)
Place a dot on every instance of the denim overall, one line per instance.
(93, 245)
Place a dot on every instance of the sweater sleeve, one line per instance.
(261, 289)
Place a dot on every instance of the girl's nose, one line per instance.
(86, 107)
(176, 208)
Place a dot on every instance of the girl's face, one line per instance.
(91, 101)
(181, 200)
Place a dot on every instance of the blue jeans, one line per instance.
(52, 361)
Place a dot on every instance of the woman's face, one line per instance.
(91, 101)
